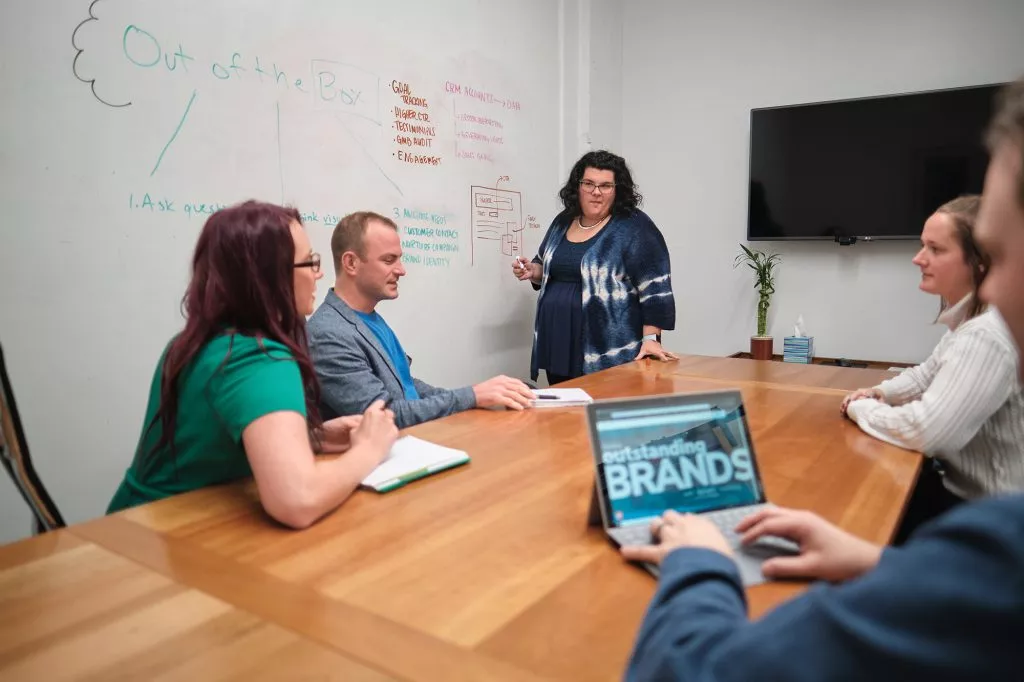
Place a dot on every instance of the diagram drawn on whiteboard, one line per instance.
(497, 215)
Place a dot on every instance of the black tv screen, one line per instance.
(872, 168)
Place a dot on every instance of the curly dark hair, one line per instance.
(627, 196)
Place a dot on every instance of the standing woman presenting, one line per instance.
(604, 276)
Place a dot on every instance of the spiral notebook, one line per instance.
(411, 459)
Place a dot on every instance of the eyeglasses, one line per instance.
(590, 187)
(313, 262)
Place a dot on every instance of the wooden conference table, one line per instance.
(488, 571)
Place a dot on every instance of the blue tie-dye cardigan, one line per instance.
(627, 283)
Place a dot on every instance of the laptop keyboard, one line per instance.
(748, 559)
(724, 519)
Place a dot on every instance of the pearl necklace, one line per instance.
(602, 221)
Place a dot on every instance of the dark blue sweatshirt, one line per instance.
(949, 605)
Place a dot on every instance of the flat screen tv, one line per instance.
(864, 169)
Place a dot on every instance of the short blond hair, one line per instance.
(350, 234)
(963, 211)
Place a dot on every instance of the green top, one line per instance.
(233, 381)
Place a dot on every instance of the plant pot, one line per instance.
(762, 347)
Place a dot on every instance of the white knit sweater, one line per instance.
(964, 405)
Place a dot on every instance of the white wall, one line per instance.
(605, 76)
(574, 92)
(591, 68)
(15, 518)
(691, 73)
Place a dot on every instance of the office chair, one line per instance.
(15, 457)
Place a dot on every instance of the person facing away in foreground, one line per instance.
(359, 359)
(949, 605)
(604, 276)
(963, 407)
(234, 393)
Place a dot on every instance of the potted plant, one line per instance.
(762, 346)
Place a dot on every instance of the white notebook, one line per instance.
(410, 459)
(560, 397)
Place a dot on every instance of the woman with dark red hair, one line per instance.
(235, 395)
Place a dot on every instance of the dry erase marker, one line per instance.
(521, 263)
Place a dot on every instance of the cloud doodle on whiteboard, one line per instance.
(91, 82)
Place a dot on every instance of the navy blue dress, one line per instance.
(560, 318)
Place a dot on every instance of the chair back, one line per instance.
(15, 458)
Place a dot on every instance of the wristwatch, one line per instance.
(649, 337)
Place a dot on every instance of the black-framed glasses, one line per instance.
(590, 186)
(313, 262)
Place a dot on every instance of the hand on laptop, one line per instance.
(860, 394)
(826, 552)
(675, 530)
(503, 391)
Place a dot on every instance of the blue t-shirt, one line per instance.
(394, 350)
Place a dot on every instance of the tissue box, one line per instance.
(798, 349)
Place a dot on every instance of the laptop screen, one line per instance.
(691, 453)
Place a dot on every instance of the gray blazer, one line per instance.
(354, 370)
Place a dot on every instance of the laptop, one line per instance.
(688, 452)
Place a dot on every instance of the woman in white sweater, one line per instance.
(963, 407)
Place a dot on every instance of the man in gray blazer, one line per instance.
(357, 357)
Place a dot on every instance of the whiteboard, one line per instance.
(131, 121)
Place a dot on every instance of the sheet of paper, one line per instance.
(561, 397)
